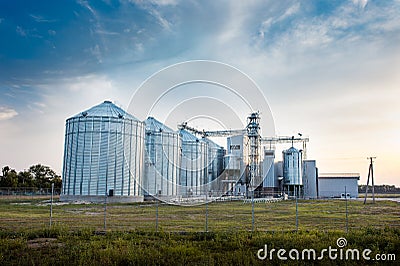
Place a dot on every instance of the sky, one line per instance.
(327, 69)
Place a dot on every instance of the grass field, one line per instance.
(323, 215)
(77, 235)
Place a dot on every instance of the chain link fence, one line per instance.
(27, 192)
(30, 209)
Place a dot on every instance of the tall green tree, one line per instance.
(39, 176)
(10, 179)
(25, 179)
(43, 176)
(5, 170)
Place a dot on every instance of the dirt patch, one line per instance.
(43, 242)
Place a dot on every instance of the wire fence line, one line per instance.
(26, 192)
(21, 212)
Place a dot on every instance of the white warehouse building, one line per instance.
(338, 185)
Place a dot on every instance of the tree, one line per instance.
(43, 176)
(10, 179)
(39, 176)
(25, 179)
(5, 170)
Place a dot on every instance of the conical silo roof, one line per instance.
(211, 143)
(106, 109)
(291, 150)
(153, 124)
(187, 136)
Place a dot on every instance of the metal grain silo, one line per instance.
(292, 170)
(215, 160)
(162, 159)
(103, 154)
(270, 180)
(193, 168)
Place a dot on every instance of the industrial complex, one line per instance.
(109, 153)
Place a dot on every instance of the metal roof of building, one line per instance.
(339, 175)
(153, 124)
(106, 109)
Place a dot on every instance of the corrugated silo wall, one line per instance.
(162, 161)
(292, 167)
(215, 161)
(193, 169)
(103, 153)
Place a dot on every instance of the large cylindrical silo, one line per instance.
(103, 154)
(215, 160)
(193, 168)
(162, 159)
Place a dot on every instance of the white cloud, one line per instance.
(153, 7)
(21, 31)
(361, 3)
(105, 32)
(95, 51)
(349, 26)
(161, 20)
(40, 19)
(7, 113)
(89, 82)
(157, 2)
(28, 32)
(165, 2)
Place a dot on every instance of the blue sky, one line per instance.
(329, 69)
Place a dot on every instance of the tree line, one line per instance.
(37, 176)
(380, 189)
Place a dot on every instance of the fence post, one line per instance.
(297, 215)
(156, 215)
(206, 211)
(51, 204)
(252, 211)
(347, 213)
(105, 211)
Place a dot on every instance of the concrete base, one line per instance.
(101, 199)
(160, 198)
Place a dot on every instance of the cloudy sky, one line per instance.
(328, 69)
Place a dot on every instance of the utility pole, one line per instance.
(370, 174)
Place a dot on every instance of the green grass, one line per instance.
(77, 237)
(83, 247)
(323, 215)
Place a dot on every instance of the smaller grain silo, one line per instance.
(162, 159)
(103, 155)
(292, 171)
